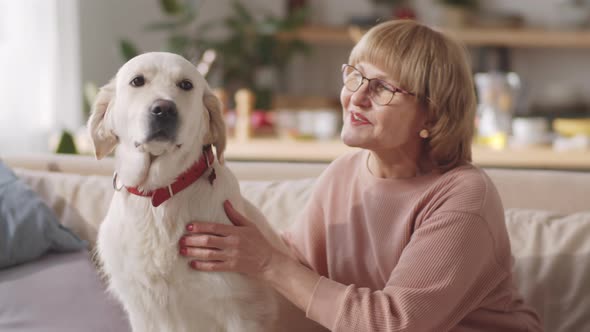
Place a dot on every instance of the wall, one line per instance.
(102, 24)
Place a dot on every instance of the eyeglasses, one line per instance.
(380, 91)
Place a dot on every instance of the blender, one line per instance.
(497, 98)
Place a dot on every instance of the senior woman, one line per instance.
(404, 234)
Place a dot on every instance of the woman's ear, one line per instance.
(217, 134)
(101, 133)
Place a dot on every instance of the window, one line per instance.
(40, 90)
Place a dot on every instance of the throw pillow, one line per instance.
(28, 227)
(552, 252)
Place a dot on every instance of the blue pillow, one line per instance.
(28, 227)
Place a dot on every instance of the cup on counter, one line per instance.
(305, 123)
(320, 123)
(326, 124)
(286, 123)
(530, 131)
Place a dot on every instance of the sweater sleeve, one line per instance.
(445, 271)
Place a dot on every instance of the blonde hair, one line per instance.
(435, 68)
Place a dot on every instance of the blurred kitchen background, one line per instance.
(276, 65)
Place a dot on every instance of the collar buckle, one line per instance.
(115, 182)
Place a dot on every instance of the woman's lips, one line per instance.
(358, 119)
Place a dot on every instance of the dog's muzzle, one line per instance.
(163, 121)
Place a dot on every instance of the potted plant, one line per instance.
(250, 55)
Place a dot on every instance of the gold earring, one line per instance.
(424, 133)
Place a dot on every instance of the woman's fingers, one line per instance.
(207, 241)
(240, 247)
(210, 228)
(212, 266)
(234, 216)
(203, 254)
(220, 229)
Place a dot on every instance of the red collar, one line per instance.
(184, 180)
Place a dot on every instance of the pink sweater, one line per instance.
(430, 253)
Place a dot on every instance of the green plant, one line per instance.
(249, 43)
(66, 144)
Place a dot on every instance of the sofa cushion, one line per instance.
(552, 190)
(57, 293)
(550, 248)
(28, 227)
(279, 201)
(552, 265)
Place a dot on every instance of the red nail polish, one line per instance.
(182, 241)
(190, 227)
(183, 251)
(193, 264)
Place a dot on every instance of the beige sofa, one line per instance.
(548, 219)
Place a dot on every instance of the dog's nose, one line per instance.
(164, 110)
(163, 121)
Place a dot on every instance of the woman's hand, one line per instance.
(243, 248)
(218, 247)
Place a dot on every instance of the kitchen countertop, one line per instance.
(267, 149)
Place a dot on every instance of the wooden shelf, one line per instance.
(326, 151)
(473, 36)
(326, 34)
(523, 38)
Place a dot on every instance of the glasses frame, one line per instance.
(394, 89)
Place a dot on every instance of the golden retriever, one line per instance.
(161, 117)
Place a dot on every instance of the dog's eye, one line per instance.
(185, 85)
(137, 81)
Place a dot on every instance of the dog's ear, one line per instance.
(103, 138)
(217, 134)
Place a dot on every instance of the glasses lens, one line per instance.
(380, 93)
(351, 78)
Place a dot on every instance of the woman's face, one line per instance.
(389, 128)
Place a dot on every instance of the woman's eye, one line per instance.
(185, 85)
(137, 81)
(379, 88)
(385, 88)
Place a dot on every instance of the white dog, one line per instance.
(162, 118)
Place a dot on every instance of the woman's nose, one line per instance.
(361, 96)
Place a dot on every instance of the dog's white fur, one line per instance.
(138, 243)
